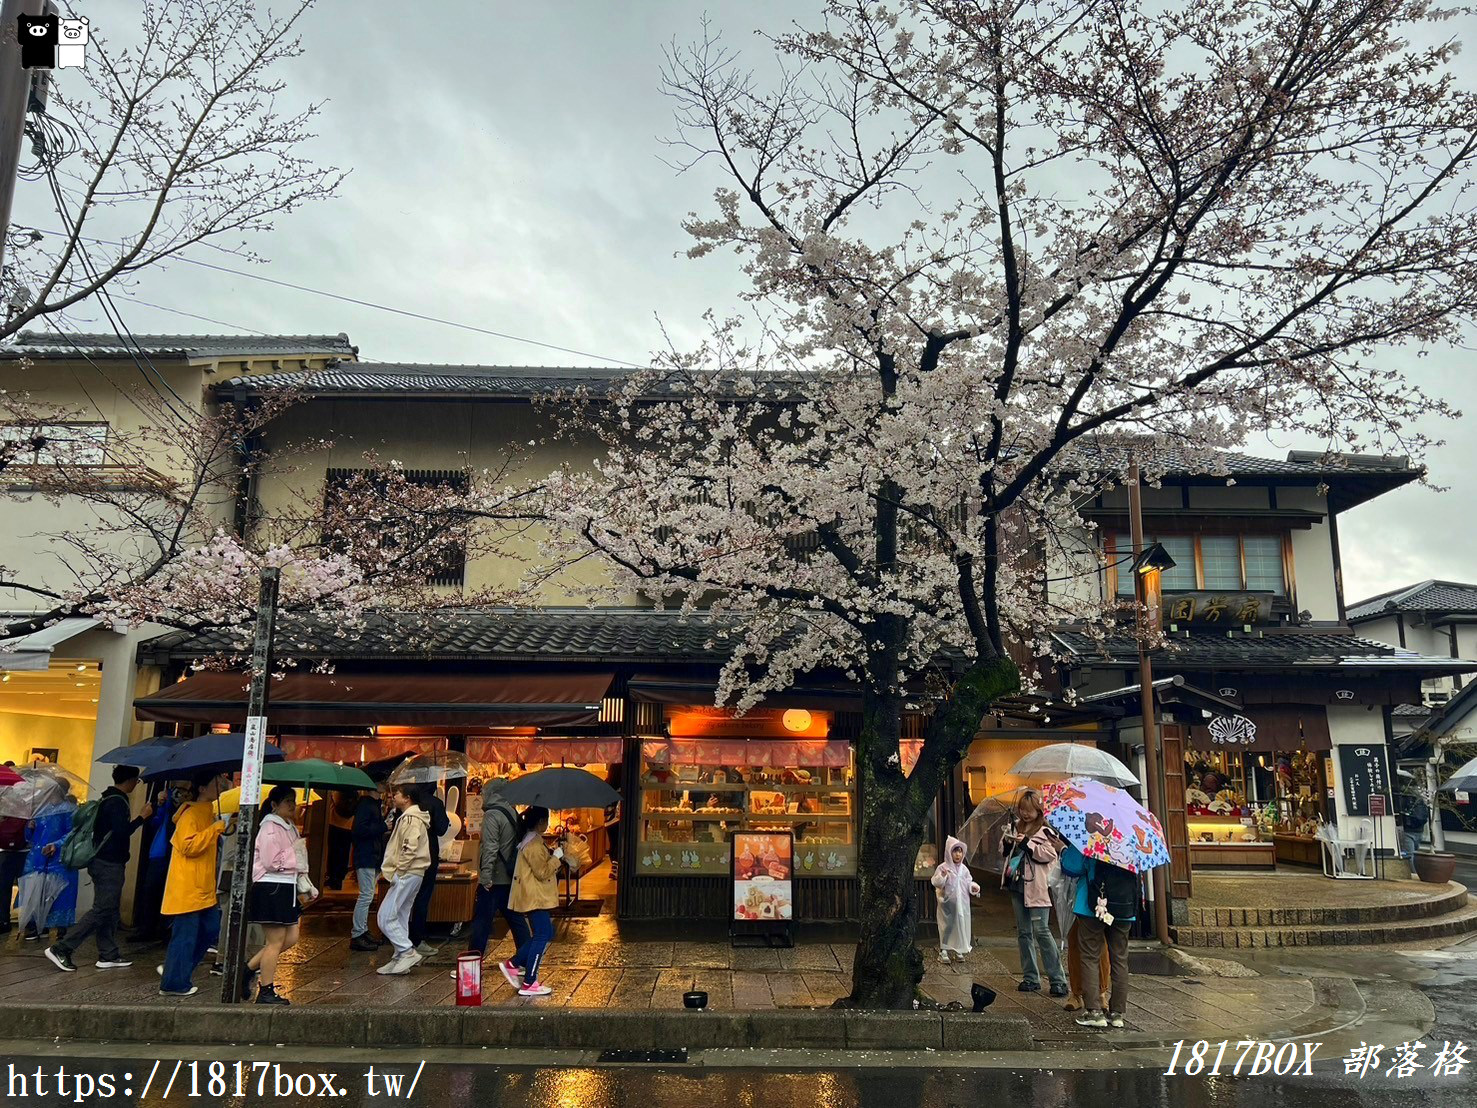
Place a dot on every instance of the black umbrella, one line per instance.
(219, 752)
(560, 787)
(144, 754)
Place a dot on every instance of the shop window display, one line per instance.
(694, 795)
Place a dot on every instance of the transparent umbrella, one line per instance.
(431, 769)
(36, 894)
(38, 786)
(984, 831)
(1074, 760)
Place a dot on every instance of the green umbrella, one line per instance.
(316, 773)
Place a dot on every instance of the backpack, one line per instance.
(508, 857)
(1119, 887)
(78, 848)
(1417, 815)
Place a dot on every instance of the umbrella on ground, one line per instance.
(1074, 760)
(218, 752)
(1105, 823)
(560, 787)
(318, 774)
(985, 828)
(38, 786)
(1464, 779)
(431, 769)
(142, 754)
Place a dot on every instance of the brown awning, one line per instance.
(545, 699)
(1278, 727)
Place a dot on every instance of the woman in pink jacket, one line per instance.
(1030, 848)
(274, 898)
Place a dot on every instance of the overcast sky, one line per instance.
(508, 173)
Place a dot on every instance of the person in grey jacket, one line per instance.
(500, 834)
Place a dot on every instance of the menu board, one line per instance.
(763, 877)
(1365, 772)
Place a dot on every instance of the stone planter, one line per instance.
(1434, 868)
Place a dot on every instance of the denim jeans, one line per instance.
(531, 951)
(102, 920)
(192, 935)
(1033, 932)
(1410, 842)
(368, 880)
(490, 902)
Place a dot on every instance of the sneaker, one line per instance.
(113, 963)
(426, 950)
(512, 973)
(944, 957)
(1028, 987)
(217, 969)
(32, 936)
(1115, 1019)
(159, 969)
(533, 988)
(267, 994)
(1092, 1019)
(363, 943)
(62, 962)
(211, 950)
(248, 981)
(191, 991)
(1058, 991)
(1074, 1002)
(401, 963)
(960, 958)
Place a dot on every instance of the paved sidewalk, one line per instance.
(593, 966)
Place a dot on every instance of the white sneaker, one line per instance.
(401, 963)
(191, 991)
(533, 988)
(119, 963)
(513, 974)
(159, 970)
(944, 957)
(426, 950)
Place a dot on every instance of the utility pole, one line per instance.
(1152, 757)
(15, 95)
(234, 937)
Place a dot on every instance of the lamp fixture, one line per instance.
(1154, 558)
(796, 719)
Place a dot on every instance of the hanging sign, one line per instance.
(252, 755)
(1217, 609)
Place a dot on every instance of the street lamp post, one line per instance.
(1146, 570)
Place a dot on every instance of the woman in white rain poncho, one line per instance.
(955, 886)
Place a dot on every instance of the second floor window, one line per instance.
(451, 562)
(45, 444)
(1209, 562)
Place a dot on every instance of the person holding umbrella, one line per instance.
(502, 831)
(48, 887)
(1030, 850)
(274, 891)
(535, 895)
(190, 888)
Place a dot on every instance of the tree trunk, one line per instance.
(888, 967)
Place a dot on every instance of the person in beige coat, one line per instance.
(1030, 849)
(535, 894)
(407, 857)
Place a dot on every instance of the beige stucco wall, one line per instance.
(1312, 556)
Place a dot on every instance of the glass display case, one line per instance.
(691, 805)
(1225, 827)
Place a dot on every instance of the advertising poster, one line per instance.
(763, 876)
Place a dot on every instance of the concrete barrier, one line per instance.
(522, 1028)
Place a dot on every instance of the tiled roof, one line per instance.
(1294, 650)
(574, 634)
(393, 379)
(1414, 711)
(1427, 596)
(1298, 463)
(49, 344)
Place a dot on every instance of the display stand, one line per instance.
(762, 876)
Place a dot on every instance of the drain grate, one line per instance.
(648, 1057)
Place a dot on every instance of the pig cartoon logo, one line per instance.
(38, 36)
(71, 50)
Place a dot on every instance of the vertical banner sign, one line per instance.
(251, 759)
(763, 882)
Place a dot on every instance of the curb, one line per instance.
(222, 1025)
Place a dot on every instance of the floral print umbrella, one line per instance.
(1105, 823)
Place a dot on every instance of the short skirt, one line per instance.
(273, 903)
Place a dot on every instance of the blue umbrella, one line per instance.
(143, 754)
(220, 752)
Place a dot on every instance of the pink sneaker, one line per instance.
(512, 973)
(533, 988)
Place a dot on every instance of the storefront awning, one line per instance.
(778, 753)
(33, 652)
(655, 688)
(1281, 727)
(560, 698)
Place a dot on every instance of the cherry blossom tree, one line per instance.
(177, 134)
(1000, 252)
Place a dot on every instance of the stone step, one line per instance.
(1440, 903)
(1463, 921)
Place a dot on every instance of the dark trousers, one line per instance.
(102, 921)
(192, 934)
(340, 844)
(148, 924)
(1094, 934)
(12, 865)
(422, 906)
(491, 902)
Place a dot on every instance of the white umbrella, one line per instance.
(430, 769)
(1074, 760)
(1464, 778)
(36, 893)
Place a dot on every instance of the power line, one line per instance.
(190, 315)
(371, 304)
